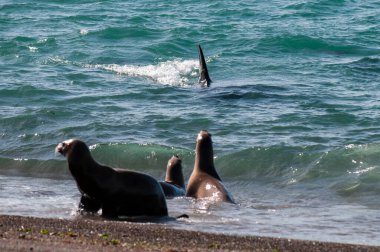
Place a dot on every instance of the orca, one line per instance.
(204, 78)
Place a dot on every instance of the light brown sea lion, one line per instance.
(174, 185)
(118, 192)
(204, 181)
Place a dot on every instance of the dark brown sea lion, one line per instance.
(117, 192)
(204, 181)
(174, 185)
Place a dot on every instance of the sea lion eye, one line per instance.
(63, 144)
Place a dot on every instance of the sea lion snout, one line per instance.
(59, 148)
(63, 147)
(203, 134)
(175, 160)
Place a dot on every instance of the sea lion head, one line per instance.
(73, 150)
(174, 171)
(204, 143)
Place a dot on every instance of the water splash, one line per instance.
(173, 72)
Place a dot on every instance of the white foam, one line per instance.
(93, 147)
(83, 32)
(57, 60)
(33, 49)
(361, 171)
(174, 72)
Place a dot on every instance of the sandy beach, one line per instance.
(39, 234)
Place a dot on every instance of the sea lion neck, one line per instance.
(204, 155)
(79, 158)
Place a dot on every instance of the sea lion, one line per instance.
(117, 192)
(204, 78)
(204, 181)
(174, 185)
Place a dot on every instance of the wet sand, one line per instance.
(82, 234)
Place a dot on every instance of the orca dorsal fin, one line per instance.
(204, 78)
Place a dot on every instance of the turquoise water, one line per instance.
(293, 107)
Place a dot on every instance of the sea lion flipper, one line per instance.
(183, 216)
(204, 78)
(87, 204)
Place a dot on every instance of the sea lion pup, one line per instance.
(118, 192)
(204, 181)
(174, 185)
(204, 78)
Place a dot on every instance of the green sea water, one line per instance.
(293, 108)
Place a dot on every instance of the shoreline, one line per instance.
(19, 233)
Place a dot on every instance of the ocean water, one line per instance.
(294, 107)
